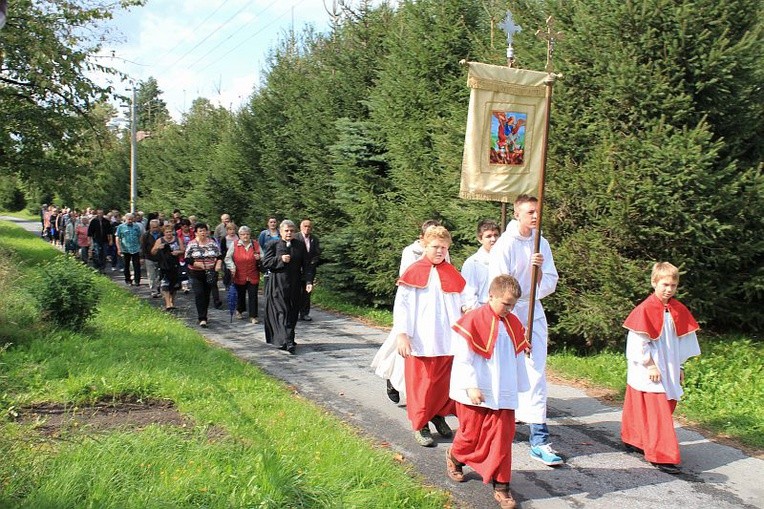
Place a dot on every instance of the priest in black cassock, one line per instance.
(286, 259)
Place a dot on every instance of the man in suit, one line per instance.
(313, 249)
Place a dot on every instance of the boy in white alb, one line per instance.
(475, 268)
(487, 375)
(661, 338)
(427, 302)
(387, 363)
(513, 254)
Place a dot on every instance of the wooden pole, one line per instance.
(539, 211)
(550, 37)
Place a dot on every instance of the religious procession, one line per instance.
(500, 227)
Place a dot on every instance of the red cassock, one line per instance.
(646, 421)
(428, 378)
(484, 438)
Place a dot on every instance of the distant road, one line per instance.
(332, 368)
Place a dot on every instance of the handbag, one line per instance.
(211, 276)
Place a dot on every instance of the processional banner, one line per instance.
(506, 123)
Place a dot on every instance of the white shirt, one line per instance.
(475, 272)
(409, 255)
(499, 378)
(512, 255)
(668, 352)
(426, 316)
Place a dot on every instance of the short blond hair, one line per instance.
(662, 270)
(505, 284)
(436, 232)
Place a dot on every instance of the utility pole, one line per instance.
(133, 153)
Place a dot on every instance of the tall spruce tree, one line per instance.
(656, 156)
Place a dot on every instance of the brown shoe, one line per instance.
(454, 468)
(502, 495)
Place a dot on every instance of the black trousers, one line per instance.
(136, 259)
(202, 290)
(247, 292)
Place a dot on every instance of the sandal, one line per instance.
(454, 468)
(502, 495)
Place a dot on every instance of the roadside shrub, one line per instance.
(66, 292)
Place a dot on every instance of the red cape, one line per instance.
(647, 317)
(418, 274)
(480, 328)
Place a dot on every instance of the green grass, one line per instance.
(723, 387)
(332, 302)
(21, 214)
(724, 392)
(252, 442)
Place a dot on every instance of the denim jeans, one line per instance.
(539, 434)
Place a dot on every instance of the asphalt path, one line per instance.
(332, 369)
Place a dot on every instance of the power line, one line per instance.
(197, 27)
(233, 34)
(209, 35)
(253, 35)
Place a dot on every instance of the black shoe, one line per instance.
(393, 393)
(631, 449)
(306, 318)
(667, 468)
(441, 426)
(219, 304)
(291, 349)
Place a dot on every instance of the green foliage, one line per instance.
(11, 195)
(46, 92)
(645, 161)
(66, 292)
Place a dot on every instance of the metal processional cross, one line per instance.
(551, 38)
(508, 25)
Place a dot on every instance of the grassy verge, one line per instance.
(251, 441)
(21, 214)
(723, 391)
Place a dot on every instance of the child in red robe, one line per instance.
(661, 338)
(427, 302)
(487, 374)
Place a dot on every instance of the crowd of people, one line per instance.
(469, 343)
(180, 253)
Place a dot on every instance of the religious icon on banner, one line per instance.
(507, 137)
(506, 121)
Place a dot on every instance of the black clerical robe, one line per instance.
(283, 289)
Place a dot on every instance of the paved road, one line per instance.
(332, 368)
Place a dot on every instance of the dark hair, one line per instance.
(201, 226)
(427, 224)
(186, 222)
(176, 210)
(487, 225)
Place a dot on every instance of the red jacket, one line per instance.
(246, 265)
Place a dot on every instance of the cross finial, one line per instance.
(551, 38)
(508, 25)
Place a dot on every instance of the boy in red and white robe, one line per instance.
(661, 338)
(427, 302)
(487, 375)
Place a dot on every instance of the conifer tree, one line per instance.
(656, 155)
